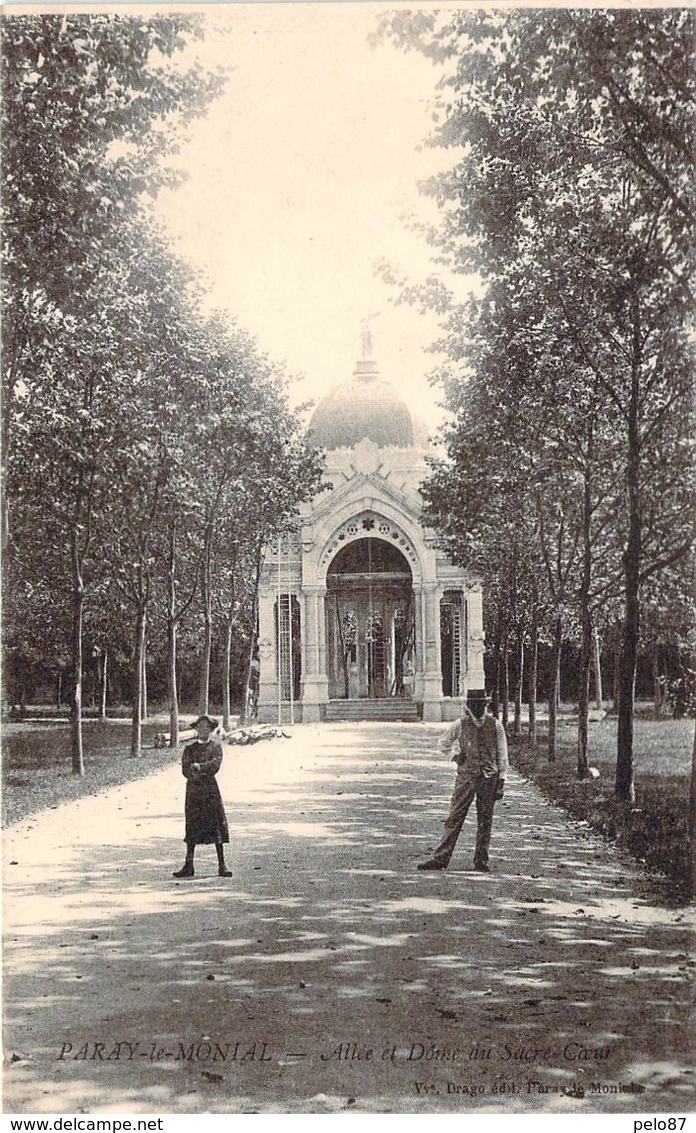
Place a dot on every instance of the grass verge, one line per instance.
(654, 830)
(36, 764)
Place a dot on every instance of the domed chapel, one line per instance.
(360, 616)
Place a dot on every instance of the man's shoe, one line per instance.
(185, 871)
(481, 867)
(223, 871)
(432, 864)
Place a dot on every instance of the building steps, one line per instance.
(386, 709)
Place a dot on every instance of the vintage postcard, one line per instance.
(348, 632)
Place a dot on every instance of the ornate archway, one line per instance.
(370, 624)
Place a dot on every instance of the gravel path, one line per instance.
(329, 974)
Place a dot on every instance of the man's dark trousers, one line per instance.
(468, 786)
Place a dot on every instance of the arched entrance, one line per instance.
(370, 626)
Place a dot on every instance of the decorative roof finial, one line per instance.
(366, 338)
(366, 334)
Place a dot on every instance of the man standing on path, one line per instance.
(481, 756)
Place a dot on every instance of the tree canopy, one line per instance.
(152, 447)
(570, 194)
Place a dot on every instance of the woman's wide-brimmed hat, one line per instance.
(213, 723)
(477, 696)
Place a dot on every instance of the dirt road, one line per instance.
(329, 974)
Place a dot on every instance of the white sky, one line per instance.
(301, 177)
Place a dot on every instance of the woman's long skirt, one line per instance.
(204, 812)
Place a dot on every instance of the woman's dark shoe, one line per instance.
(185, 871)
(223, 871)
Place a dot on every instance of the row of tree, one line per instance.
(148, 451)
(569, 478)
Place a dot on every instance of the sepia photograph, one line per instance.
(348, 628)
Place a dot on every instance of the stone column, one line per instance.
(419, 666)
(321, 617)
(311, 641)
(432, 676)
(315, 684)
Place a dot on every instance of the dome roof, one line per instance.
(367, 406)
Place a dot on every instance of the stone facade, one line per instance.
(359, 605)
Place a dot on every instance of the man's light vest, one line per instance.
(478, 747)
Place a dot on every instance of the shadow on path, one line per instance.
(328, 973)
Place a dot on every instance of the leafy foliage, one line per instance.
(140, 439)
(570, 194)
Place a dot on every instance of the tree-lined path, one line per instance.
(555, 978)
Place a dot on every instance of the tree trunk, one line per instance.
(78, 761)
(206, 595)
(597, 671)
(59, 687)
(172, 629)
(204, 694)
(4, 461)
(15, 352)
(692, 824)
(519, 677)
(624, 786)
(554, 685)
(616, 682)
(533, 666)
(495, 691)
(80, 530)
(227, 661)
(144, 679)
(657, 687)
(584, 696)
(227, 666)
(253, 639)
(505, 676)
(171, 681)
(585, 614)
(137, 685)
(104, 674)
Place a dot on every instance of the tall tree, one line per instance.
(253, 468)
(91, 103)
(573, 142)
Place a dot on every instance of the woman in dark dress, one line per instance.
(204, 811)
